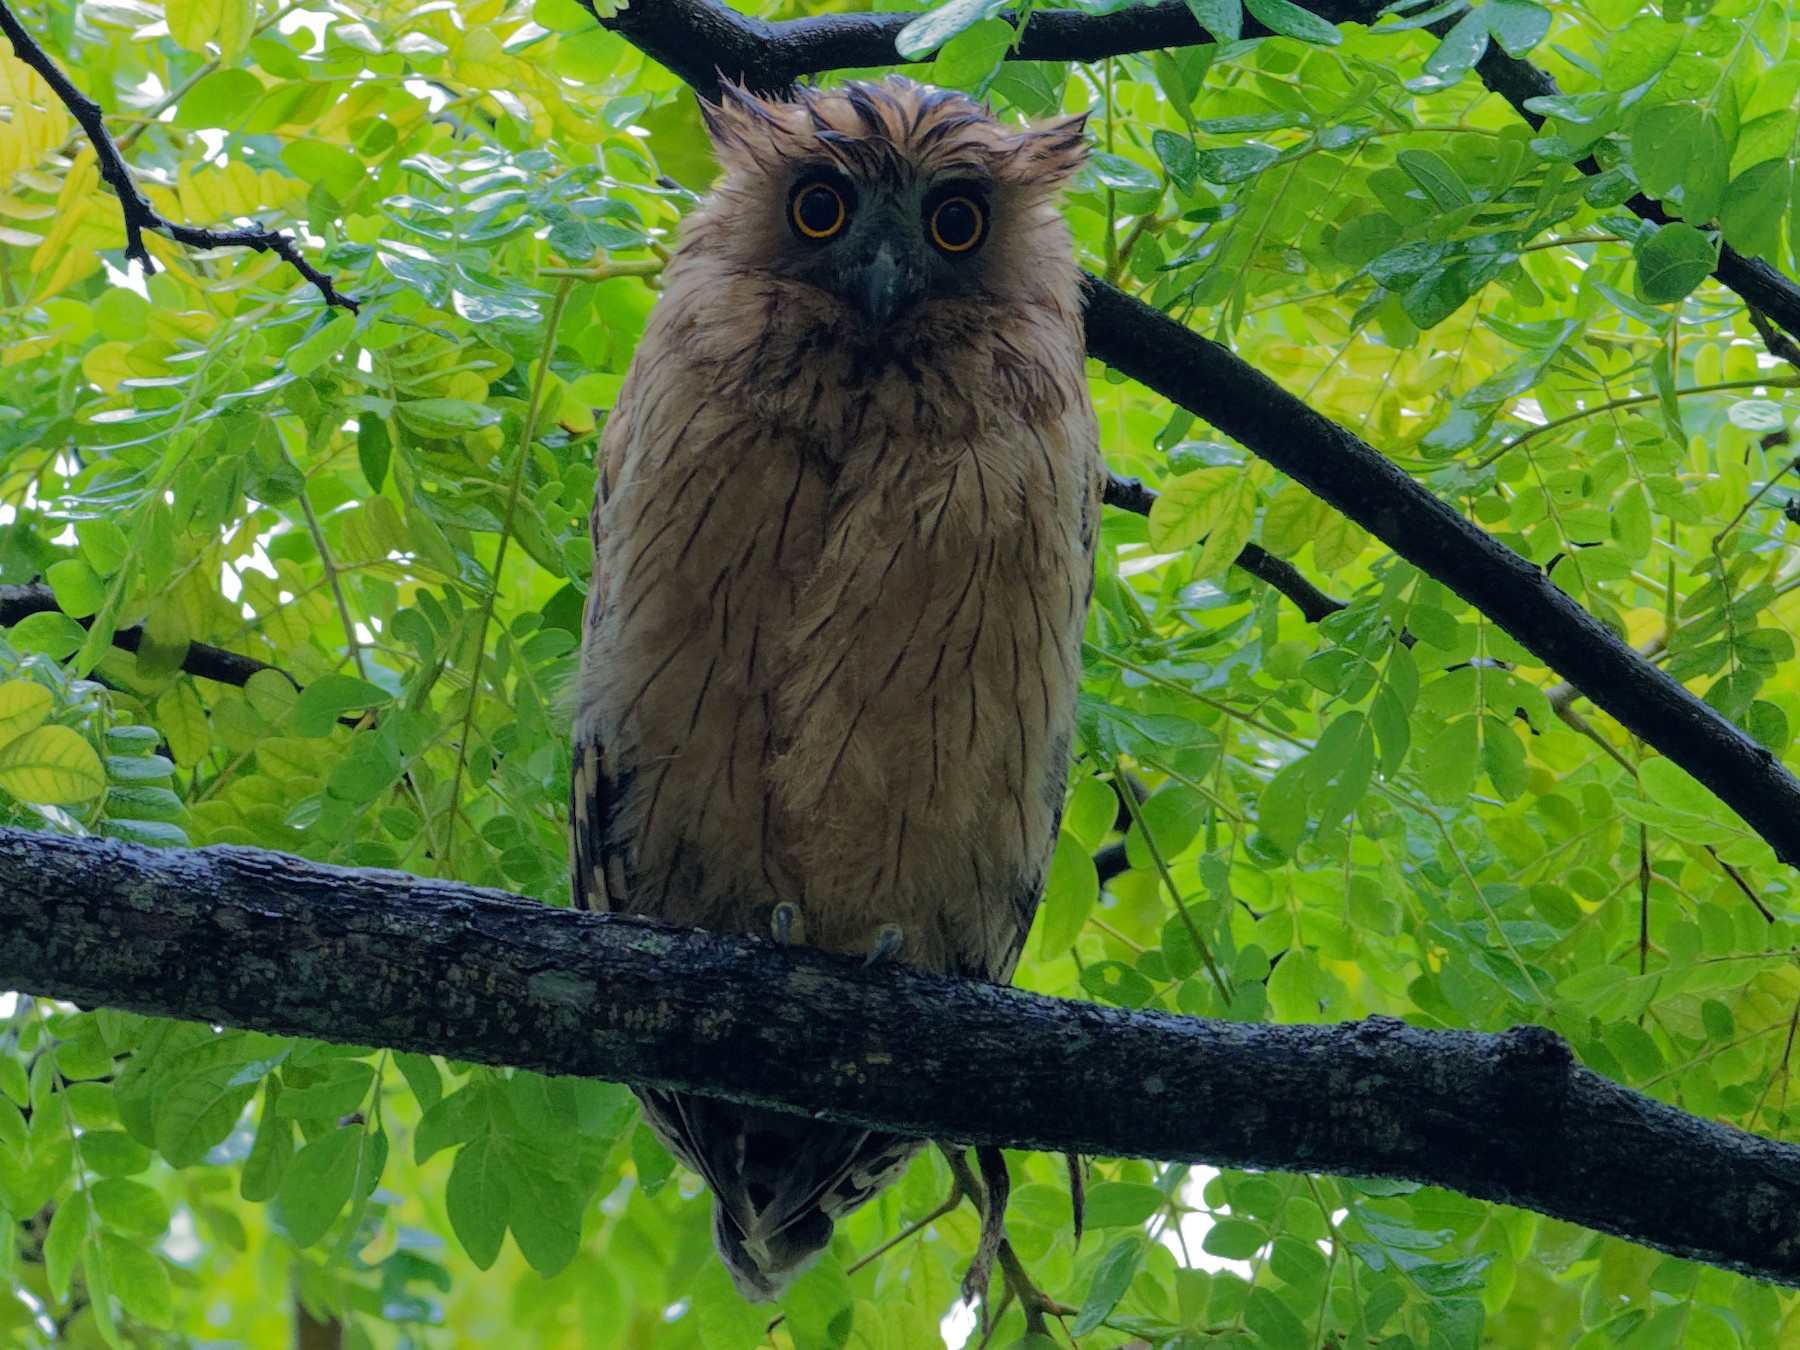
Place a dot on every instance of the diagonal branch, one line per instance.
(139, 214)
(262, 940)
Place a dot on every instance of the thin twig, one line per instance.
(1130, 494)
(139, 214)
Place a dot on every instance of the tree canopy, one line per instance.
(1441, 664)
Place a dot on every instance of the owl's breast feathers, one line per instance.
(833, 641)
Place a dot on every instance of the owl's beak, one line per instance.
(883, 283)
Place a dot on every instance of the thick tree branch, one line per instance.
(700, 40)
(139, 214)
(262, 940)
(209, 663)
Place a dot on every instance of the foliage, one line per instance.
(1395, 810)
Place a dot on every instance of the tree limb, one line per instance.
(207, 662)
(265, 941)
(700, 40)
(139, 214)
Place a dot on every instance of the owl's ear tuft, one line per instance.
(742, 126)
(1051, 153)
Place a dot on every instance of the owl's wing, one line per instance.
(1028, 885)
(596, 865)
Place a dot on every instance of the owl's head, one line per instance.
(889, 201)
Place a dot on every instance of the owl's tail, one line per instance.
(779, 1182)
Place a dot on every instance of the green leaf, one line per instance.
(819, 1307)
(1122, 1204)
(140, 1280)
(1112, 1277)
(971, 58)
(935, 27)
(330, 697)
(1433, 173)
(1672, 261)
(455, 1119)
(330, 339)
(62, 1245)
(1235, 163)
(445, 418)
(130, 1207)
(1188, 506)
(726, 1320)
(544, 1207)
(193, 1111)
(80, 591)
(113, 1153)
(338, 1096)
(1224, 19)
(1449, 763)
(1289, 20)
(1517, 25)
(1069, 895)
(1754, 203)
(318, 1184)
(24, 705)
(270, 1151)
(51, 765)
(421, 1074)
(477, 1200)
(1234, 1239)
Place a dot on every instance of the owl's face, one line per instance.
(887, 204)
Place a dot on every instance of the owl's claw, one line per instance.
(889, 939)
(788, 924)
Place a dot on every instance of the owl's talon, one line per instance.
(788, 924)
(889, 939)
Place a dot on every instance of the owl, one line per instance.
(843, 552)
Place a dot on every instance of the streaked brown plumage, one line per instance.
(843, 550)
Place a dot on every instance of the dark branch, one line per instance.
(701, 40)
(261, 940)
(1128, 494)
(1331, 462)
(209, 663)
(139, 214)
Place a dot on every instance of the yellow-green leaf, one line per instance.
(23, 705)
(51, 765)
(1185, 511)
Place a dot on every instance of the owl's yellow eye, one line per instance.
(957, 224)
(818, 210)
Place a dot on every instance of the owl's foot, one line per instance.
(889, 939)
(989, 1195)
(788, 924)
